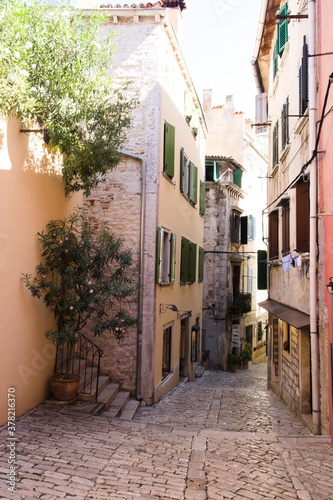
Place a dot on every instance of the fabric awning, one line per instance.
(288, 314)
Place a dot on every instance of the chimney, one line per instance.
(175, 8)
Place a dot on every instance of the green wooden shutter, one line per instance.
(201, 265)
(173, 240)
(159, 255)
(193, 183)
(184, 260)
(244, 229)
(182, 166)
(275, 59)
(192, 262)
(262, 269)
(283, 30)
(202, 209)
(238, 177)
(169, 150)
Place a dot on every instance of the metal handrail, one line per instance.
(80, 361)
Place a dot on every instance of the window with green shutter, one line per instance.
(201, 265)
(188, 261)
(193, 184)
(283, 30)
(285, 123)
(202, 206)
(275, 144)
(165, 257)
(276, 59)
(169, 150)
(238, 177)
(212, 171)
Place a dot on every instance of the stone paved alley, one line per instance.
(222, 436)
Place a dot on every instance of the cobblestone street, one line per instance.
(222, 436)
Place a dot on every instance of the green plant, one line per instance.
(234, 358)
(205, 355)
(246, 352)
(241, 304)
(85, 279)
(53, 70)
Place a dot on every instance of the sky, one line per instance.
(218, 40)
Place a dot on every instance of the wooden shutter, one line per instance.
(285, 123)
(173, 240)
(262, 270)
(273, 234)
(169, 150)
(159, 255)
(285, 228)
(184, 260)
(202, 208)
(182, 166)
(275, 140)
(201, 265)
(303, 80)
(302, 217)
(193, 184)
(261, 111)
(238, 177)
(192, 262)
(283, 30)
(275, 59)
(244, 229)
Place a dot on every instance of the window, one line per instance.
(275, 59)
(236, 271)
(238, 177)
(275, 144)
(283, 30)
(166, 354)
(250, 279)
(169, 150)
(273, 235)
(248, 229)
(235, 227)
(165, 256)
(201, 265)
(285, 215)
(285, 123)
(302, 217)
(212, 171)
(303, 80)
(188, 178)
(262, 270)
(286, 337)
(202, 203)
(188, 261)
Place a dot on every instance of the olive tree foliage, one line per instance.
(53, 70)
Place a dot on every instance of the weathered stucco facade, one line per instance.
(151, 208)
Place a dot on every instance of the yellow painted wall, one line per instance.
(32, 193)
(177, 215)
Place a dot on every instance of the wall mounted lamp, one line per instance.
(330, 286)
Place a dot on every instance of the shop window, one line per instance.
(166, 354)
(273, 235)
(302, 217)
(165, 256)
(188, 261)
(285, 215)
(169, 150)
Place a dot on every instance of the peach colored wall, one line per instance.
(325, 64)
(32, 192)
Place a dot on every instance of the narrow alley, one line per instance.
(222, 436)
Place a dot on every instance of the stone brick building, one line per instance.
(235, 196)
(155, 200)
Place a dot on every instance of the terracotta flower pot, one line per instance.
(65, 389)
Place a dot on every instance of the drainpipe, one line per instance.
(141, 268)
(313, 220)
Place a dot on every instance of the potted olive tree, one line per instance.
(85, 279)
(246, 354)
